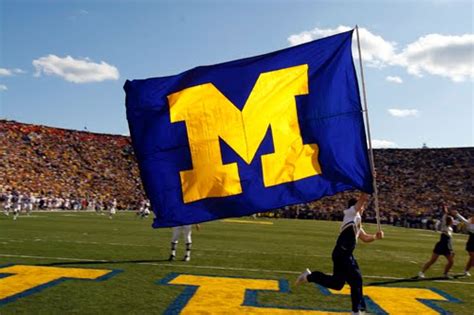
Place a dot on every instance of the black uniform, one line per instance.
(345, 268)
(444, 246)
(470, 243)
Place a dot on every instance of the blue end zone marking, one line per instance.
(180, 302)
(323, 290)
(446, 296)
(251, 299)
(4, 275)
(373, 307)
(376, 309)
(284, 286)
(433, 303)
(39, 288)
(105, 277)
(168, 278)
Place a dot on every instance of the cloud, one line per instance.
(3, 87)
(394, 79)
(450, 56)
(9, 72)
(5, 72)
(447, 56)
(383, 144)
(75, 70)
(403, 112)
(376, 51)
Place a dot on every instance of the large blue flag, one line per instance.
(250, 135)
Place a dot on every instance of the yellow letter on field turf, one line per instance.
(209, 115)
(219, 295)
(400, 300)
(25, 278)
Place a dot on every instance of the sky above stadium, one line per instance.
(64, 63)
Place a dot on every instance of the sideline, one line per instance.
(213, 267)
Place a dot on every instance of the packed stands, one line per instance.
(72, 164)
(85, 167)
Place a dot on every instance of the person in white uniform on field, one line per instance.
(17, 202)
(8, 203)
(30, 204)
(186, 230)
(113, 208)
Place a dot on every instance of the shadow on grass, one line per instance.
(414, 279)
(104, 262)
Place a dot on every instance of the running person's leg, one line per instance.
(450, 263)
(174, 241)
(470, 252)
(337, 279)
(428, 264)
(354, 279)
(469, 264)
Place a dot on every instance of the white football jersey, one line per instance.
(352, 218)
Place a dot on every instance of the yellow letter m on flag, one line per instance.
(210, 115)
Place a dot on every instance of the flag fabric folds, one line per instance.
(250, 135)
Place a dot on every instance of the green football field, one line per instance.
(137, 278)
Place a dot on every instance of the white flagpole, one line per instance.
(371, 152)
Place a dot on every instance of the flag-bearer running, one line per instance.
(345, 267)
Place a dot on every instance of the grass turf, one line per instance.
(232, 249)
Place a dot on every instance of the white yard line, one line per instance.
(394, 256)
(249, 269)
(212, 267)
(155, 246)
(54, 258)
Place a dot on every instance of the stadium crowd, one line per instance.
(68, 166)
(78, 170)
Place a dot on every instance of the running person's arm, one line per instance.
(363, 198)
(368, 238)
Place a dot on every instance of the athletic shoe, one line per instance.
(172, 257)
(446, 276)
(421, 275)
(467, 274)
(302, 277)
(186, 258)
